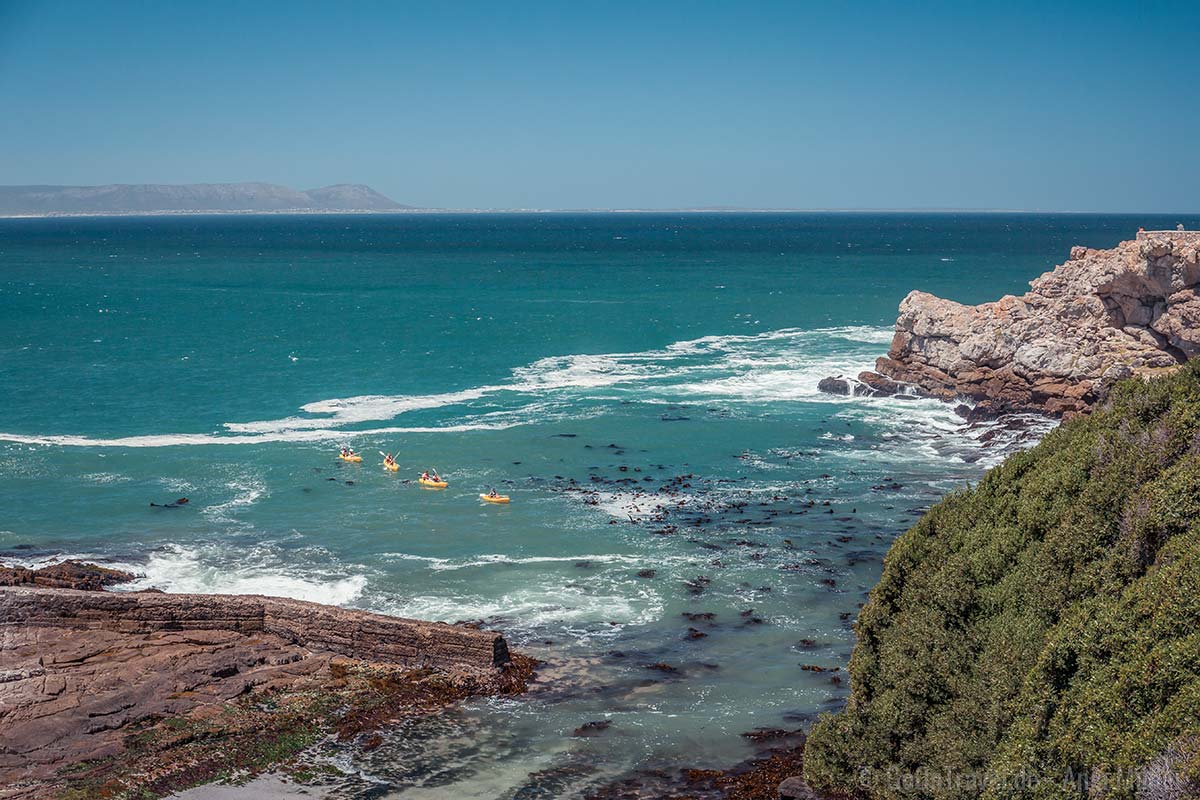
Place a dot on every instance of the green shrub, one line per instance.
(1045, 624)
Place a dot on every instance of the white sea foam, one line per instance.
(209, 570)
(634, 505)
(177, 484)
(213, 569)
(778, 385)
(783, 365)
(106, 477)
(178, 439)
(247, 492)
(493, 559)
(39, 561)
(537, 607)
(350, 410)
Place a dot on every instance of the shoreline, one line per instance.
(110, 690)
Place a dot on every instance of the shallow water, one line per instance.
(643, 386)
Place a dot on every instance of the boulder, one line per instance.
(794, 788)
(838, 385)
(64, 575)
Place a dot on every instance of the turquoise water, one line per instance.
(643, 386)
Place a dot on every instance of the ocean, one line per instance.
(644, 387)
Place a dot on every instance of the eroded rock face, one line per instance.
(358, 634)
(83, 673)
(68, 698)
(1103, 315)
(64, 575)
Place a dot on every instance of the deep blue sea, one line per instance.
(644, 387)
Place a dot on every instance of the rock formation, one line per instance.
(64, 575)
(86, 674)
(1101, 316)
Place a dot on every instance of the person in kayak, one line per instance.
(493, 493)
(388, 460)
(178, 503)
(425, 476)
(437, 478)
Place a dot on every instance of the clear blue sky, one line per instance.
(1005, 104)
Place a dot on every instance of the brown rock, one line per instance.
(794, 788)
(83, 671)
(593, 728)
(1132, 310)
(64, 575)
(358, 634)
(834, 385)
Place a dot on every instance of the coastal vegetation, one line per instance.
(1038, 635)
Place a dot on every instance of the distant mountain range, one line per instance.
(149, 198)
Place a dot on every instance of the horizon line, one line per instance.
(615, 210)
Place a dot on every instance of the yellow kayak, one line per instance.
(500, 498)
(392, 466)
(429, 484)
(351, 459)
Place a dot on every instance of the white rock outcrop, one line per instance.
(1102, 315)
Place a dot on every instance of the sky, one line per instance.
(1068, 106)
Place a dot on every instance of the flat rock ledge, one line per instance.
(104, 691)
(1103, 316)
(357, 634)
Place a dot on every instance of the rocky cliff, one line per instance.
(163, 691)
(1101, 316)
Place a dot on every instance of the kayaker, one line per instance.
(437, 478)
(493, 492)
(425, 475)
(180, 502)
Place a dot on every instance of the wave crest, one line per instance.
(774, 366)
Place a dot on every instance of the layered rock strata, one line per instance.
(1101, 316)
(101, 691)
(357, 634)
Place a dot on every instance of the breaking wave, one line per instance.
(217, 569)
(537, 607)
(211, 570)
(780, 366)
(492, 559)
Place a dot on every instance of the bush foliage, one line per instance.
(1038, 636)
